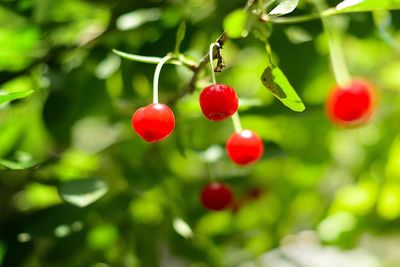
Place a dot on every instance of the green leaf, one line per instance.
(6, 97)
(235, 24)
(284, 7)
(83, 192)
(275, 81)
(182, 228)
(21, 161)
(365, 5)
(13, 165)
(180, 35)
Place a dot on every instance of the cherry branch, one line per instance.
(191, 85)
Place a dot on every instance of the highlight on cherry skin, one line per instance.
(244, 147)
(351, 105)
(216, 196)
(153, 122)
(218, 102)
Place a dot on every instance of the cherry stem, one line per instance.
(211, 54)
(340, 70)
(236, 122)
(157, 76)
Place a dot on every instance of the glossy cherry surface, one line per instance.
(153, 122)
(352, 104)
(244, 147)
(218, 102)
(216, 196)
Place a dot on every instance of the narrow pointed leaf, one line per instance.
(180, 35)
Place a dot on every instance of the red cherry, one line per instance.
(352, 104)
(216, 196)
(153, 122)
(244, 147)
(218, 102)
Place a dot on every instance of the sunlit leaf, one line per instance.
(284, 7)
(8, 97)
(235, 24)
(102, 236)
(389, 202)
(297, 35)
(84, 192)
(135, 19)
(182, 228)
(275, 81)
(366, 5)
(335, 225)
(40, 196)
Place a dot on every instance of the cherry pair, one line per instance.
(220, 101)
(352, 104)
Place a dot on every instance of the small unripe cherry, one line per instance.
(216, 196)
(153, 122)
(351, 105)
(218, 102)
(244, 147)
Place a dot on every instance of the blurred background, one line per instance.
(79, 188)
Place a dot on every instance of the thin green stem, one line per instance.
(211, 54)
(178, 59)
(157, 76)
(336, 54)
(295, 19)
(340, 70)
(236, 122)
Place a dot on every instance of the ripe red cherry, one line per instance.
(244, 147)
(216, 196)
(352, 104)
(218, 102)
(153, 122)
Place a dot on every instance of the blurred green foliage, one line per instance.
(65, 107)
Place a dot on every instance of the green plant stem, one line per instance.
(211, 54)
(157, 76)
(236, 122)
(304, 18)
(342, 75)
(294, 19)
(177, 59)
(336, 54)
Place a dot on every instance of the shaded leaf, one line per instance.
(20, 161)
(8, 97)
(84, 192)
(275, 81)
(284, 7)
